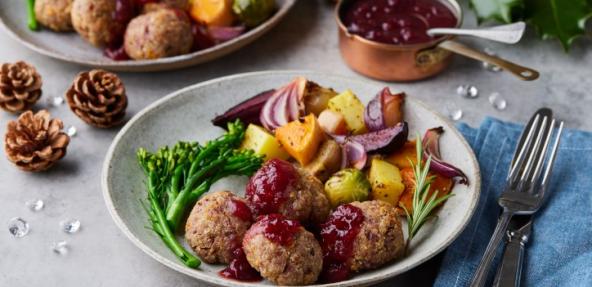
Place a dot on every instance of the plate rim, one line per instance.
(224, 282)
(185, 60)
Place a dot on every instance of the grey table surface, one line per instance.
(100, 255)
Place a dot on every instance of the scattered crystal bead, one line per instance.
(60, 247)
(57, 101)
(453, 112)
(35, 205)
(70, 225)
(18, 227)
(467, 91)
(488, 66)
(497, 101)
(71, 131)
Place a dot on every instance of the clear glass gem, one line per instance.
(18, 227)
(488, 66)
(60, 247)
(70, 225)
(57, 101)
(453, 112)
(35, 205)
(71, 131)
(467, 91)
(497, 101)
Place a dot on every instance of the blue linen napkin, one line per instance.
(560, 249)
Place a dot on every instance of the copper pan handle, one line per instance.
(524, 73)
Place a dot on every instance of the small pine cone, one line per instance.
(34, 142)
(20, 86)
(98, 98)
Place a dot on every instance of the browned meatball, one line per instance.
(94, 21)
(283, 251)
(380, 238)
(158, 34)
(216, 226)
(280, 187)
(54, 14)
(152, 6)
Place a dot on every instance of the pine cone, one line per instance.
(98, 98)
(20, 86)
(34, 142)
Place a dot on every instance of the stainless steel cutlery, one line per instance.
(527, 181)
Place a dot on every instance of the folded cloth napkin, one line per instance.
(559, 252)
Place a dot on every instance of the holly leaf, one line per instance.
(561, 19)
(506, 11)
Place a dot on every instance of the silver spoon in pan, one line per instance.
(509, 34)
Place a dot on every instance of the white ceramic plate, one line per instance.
(71, 48)
(186, 115)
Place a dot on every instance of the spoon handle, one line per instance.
(510, 34)
(524, 73)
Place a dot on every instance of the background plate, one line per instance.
(72, 48)
(186, 114)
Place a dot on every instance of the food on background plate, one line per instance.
(158, 34)
(304, 231)
(54, 14)
(283, 251)
(151, 29)
(397, 22)
(216, 226)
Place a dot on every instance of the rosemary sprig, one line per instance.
(422, 205)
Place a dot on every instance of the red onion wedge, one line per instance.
(385, 141)
(247, 111)
(431, 147)
(223, 34)
(384, 110)
(284, 106)
(353, 155)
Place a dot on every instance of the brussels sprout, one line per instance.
(253, 12)
(347, 185)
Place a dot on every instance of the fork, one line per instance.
(522, 194)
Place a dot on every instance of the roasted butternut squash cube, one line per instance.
(301, 139)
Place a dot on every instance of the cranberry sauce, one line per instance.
(239, 268)
(276, 228)
(270, 185)
(397, 21)
(337, 240)
(116, 53)
(201, 37)
(240, 209)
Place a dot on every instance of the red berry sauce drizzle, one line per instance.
(397, 21)
(240, 209)
(269, 187)
(239, 268)
(337, 239)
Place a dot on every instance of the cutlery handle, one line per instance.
(510, 270)
(524, 73)
(480, 276)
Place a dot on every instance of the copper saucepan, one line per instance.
(390, 62)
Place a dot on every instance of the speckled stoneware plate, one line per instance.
(185, 115)
(71, 48)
